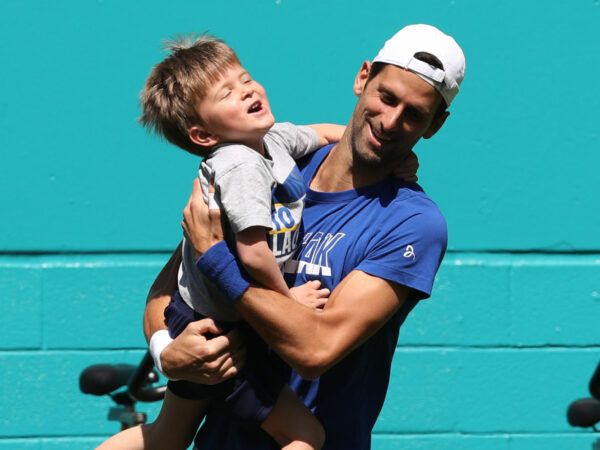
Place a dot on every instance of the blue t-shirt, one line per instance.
(391, 230)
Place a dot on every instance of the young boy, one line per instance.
(201, 99)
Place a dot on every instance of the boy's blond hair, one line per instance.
(176, 84)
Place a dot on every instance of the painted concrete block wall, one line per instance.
(91, 205)
(484, 362)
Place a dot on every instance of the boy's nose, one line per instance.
(247, 91)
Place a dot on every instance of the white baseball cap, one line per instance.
(400, 51)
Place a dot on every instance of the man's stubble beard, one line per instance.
(365, 157)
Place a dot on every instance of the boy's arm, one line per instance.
(259, 261)
(328, 133)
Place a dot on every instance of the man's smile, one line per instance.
(375, 137)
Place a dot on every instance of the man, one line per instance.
(374, 241)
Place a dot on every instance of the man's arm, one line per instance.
(191, 356)
(160, 294)
(309, 340)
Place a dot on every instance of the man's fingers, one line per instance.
(196, 187)
(218, 348)
(233, 362)
(204, 326)
(229, 369)
(196, 203)
(225, 366)
(203, 359)
(222, 344)
(211, 187)
(187, 213)
(202, 227)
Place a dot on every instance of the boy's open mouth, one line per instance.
(255, 107)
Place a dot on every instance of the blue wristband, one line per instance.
(222, 268)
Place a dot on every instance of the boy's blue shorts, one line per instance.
(248, 397)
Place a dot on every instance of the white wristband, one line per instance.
(158, 342)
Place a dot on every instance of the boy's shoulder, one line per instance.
(282, 128)
(231, 154)
(231, 159)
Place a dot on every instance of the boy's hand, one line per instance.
(310, 295)
(193, 357)
(407, 170)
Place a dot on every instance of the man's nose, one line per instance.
(391, 118)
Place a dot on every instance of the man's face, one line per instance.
(395, 109)
(236, 108)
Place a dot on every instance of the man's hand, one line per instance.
(310, 295)
(202, 226)
(407, 170)
(193, 357)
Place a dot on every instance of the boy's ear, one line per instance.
(199, 136)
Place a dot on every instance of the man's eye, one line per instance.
(387, 98)
(414, 114)
(225, 95)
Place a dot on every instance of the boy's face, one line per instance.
(236, 109)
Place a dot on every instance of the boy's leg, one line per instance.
(292, 424)
(260, 398)
(173, 429)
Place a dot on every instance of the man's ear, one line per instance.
(199, 136)
(436, 124)
(361, 78)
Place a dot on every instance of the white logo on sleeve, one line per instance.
(410, 252)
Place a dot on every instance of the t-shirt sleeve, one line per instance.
(244, 193)
(410, 253)
(298, 140)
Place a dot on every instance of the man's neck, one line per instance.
(339, 172)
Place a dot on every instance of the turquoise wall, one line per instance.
(91, 204)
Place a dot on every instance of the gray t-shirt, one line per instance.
(251, 190)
